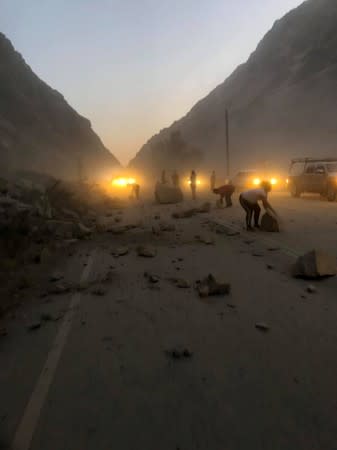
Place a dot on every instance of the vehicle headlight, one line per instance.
(273, 181)
(256, 181)
(287, 181)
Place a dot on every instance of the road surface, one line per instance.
(103, 377)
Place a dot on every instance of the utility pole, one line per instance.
(227, 143)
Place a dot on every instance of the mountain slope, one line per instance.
(38, 129)
(282, 102)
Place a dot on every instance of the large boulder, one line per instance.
(269, 223)
(315, 264)
(166, 194)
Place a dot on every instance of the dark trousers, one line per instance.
(250, 208)
(228, 198)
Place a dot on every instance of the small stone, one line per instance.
(262, 326)
(182, 283)
(34, 326)
(3, 332)
(258, 254)
(270, 267)
(121, 251)
(146, 251)
(56, 276)
(100, 292)
(231, 305)
(311, 289)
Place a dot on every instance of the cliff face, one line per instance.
(282, 102)
(38, 128)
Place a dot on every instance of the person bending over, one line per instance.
(226, 191)
(249, 201)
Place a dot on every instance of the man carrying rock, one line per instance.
(226, 191)
(249, 200)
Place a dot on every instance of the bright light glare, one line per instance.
(121, 182)
(273, 181)
(256, 181)
(198, 182)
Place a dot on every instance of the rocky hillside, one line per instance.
(282, 102)
(39, 130)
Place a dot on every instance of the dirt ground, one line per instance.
(128, 360)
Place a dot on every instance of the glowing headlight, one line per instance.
(256, 181)
(121, 182)
(198, 182)
(287, 180)
(273, 181)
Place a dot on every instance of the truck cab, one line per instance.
(311, 175)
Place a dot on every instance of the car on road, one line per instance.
(248, 179)
(313, 176)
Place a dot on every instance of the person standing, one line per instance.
(212, 181)
(163, 177)
(193, 184)
(226, 191)
(249, 201)
(175, 179)
(136, 190)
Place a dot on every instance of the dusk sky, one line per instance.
(134, 66)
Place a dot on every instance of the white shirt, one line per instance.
(254, 195)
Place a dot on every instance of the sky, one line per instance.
(132, 67)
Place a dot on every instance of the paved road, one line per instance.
(101, 378)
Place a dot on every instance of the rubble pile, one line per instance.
(39, 209)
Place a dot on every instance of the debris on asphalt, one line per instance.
(262, 326)
(209, 286)
(270, 267)
(34, 326)
(56, 276)
(311, 289)
(3, 332)
(179, 354)
(315, 264)
(146, 251)
(99, 291)
(151, 277)
(121, 251)
(181, 283)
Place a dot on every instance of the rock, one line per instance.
(100, 292)
(56, 276)
(269, 223)
(156, 230)
(204, 208)
(34, 326)
(179, 354)
(205, 239)
(181, 283)
(210, 286)
(70, 214)
(231, 305)
(185, 214)
(3, 332)
(270, 267)
(165, 194)
(147, 251)
(121, 251)
(59, 288)
(60, 228)
(311, 289)
(262, 326)
(151, 277)
(315, 264)
(167, 227)
(82, 231)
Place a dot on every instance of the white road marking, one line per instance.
(25, 431)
